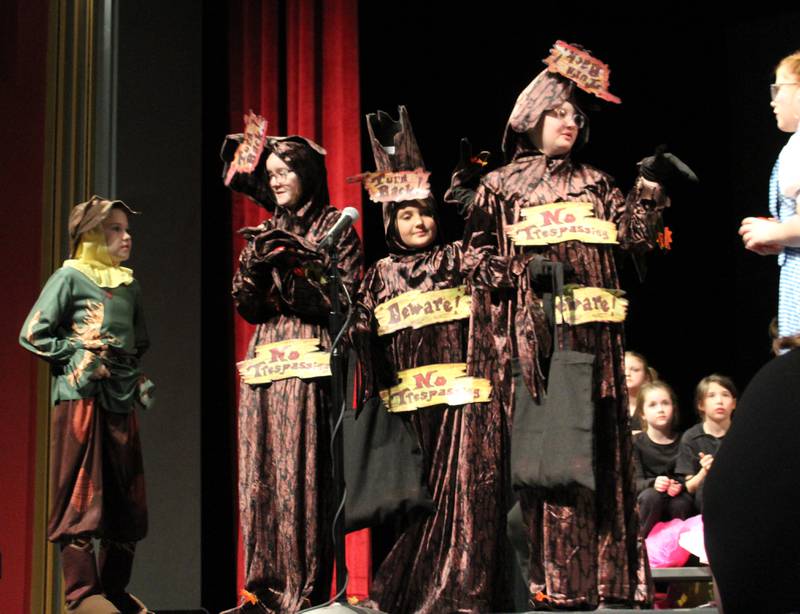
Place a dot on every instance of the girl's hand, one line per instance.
(100, 372)
(758, 233)
(674, 488)
(662, 483)
(706, 460)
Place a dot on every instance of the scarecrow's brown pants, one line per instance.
(97, 491)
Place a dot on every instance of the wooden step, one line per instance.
(681, 574)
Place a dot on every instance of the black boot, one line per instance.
(116, 564)
(82, 588)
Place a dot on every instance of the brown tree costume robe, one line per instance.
(285, 471)
(583, 545)
(453, 560)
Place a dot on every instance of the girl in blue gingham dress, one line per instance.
(782, 208)
(780, 235)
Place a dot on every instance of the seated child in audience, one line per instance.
(716, 399)
(661, 495)
(637, 372)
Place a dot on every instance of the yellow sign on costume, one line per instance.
(284, 359)
(440, 384)
(415, 309)
(590, 305)
(559, 222)
(396, 186)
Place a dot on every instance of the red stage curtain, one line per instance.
(318, 44)
(23, 96)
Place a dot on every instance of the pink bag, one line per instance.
(663, 547)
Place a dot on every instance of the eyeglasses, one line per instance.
(577, 117)
(281, 175)
(774, 88)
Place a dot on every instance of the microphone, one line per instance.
(348, 216)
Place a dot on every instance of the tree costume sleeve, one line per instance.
(304, 287)
(481, 225)
(504, 269)
(254, 185)
(282, 272)
(47, 333)
(483, 268)
(363, 332)
(481, 263)
(255, 286)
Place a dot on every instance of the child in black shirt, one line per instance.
(661, 495)
(716, 399)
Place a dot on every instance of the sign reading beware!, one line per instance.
(591, 305)
(416, 309)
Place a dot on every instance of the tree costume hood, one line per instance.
(395, 148)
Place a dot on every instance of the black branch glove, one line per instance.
(466, 177)
(228, 149)
(666, 168)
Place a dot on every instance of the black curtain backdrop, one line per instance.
(219, 495)
(695, 81)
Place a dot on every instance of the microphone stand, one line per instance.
(338, 370)
(337, 319)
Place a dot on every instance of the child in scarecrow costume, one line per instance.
(89, 325)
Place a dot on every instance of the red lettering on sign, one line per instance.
(551, 217)
(276, 355)
(423, 380)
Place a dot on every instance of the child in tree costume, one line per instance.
(454, 559)
(583, 545)
(286, 498)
